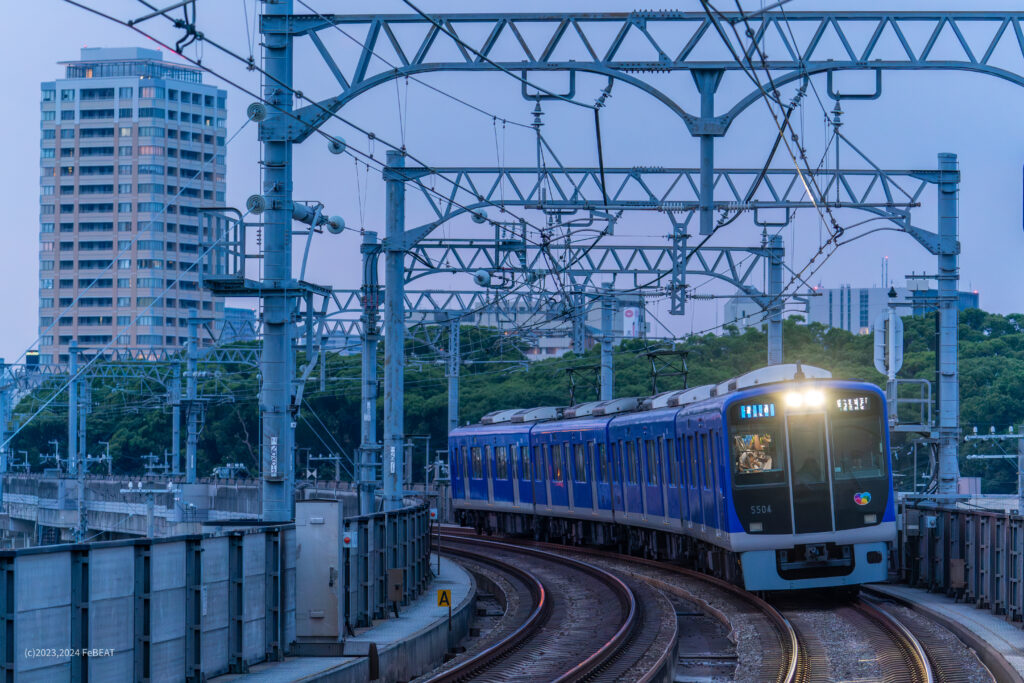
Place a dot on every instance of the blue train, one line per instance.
(776, 480)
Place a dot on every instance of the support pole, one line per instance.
(707, 81)
(948, 281)
(191, 395)
(5, 412)
(176, 418)
(579, 322)
(72, 407)
(277, 363)
(84, 408)
(369, 448)
(607, 323)
(394, 333)
(454, 363)
(1020, 474)
(775, 304)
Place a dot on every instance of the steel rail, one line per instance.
(908, 644)
(490, 655)
(607, 651)
(790, 643)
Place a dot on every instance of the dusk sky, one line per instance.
(919, 115)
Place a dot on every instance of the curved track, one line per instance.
(782, 649)
(550, 645)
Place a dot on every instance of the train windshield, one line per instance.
(756, 454)
(858, 444)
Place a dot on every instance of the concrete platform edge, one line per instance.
(1000, 667)
(413, 656)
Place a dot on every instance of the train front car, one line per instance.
(811, 484)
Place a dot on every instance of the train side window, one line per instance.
(580, 463)
(668, 456)
(602, 463)
(706, 453)
(556, 463)
(501, 462)
(478, 463)
(651, 462)
(633, 476)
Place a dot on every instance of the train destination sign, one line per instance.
(853, 404)
(757, 410)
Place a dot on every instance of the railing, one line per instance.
(911, 401)
(398, 539)
(181, 608)
(974, 556)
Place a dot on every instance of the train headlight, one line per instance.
(756, 527)
(812, 398)
(870, 518)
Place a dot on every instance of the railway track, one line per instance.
(781, 649)
(906, 648)
(548, 645)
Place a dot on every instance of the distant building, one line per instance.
(743, 312)
(131, 147)
(855, 309)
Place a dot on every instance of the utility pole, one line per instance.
(192, 407)
(5, 411)
(175, 396)
(947, 282)
(277, 363)
(452, 370)
(707, 129)
(776, 255)
(149, 492)
(394, 333)
(106, 457)
(393, 461)
(369, 449)
(607, 323)
(72, 407)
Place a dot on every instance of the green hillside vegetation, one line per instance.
(134, 421)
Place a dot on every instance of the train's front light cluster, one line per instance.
(811, 398)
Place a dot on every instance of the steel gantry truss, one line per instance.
(792, 47)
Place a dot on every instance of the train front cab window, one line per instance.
(757, 462)
(860, 475)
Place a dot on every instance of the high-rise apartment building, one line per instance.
(131, 147)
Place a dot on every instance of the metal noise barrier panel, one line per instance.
(397, 539)
(973, 555)
(183, 608)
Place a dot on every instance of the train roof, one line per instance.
(677, 398)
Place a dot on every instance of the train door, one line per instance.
(666, 480)
(809, 467)
(539, 485)
(701, 462)
(567, 475)
(618, 495)
(514, 453)
(594, 471)
(465, 471)
(716, 482)
(547, 473)
(488, 460)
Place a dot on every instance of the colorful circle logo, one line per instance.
(862, 498)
